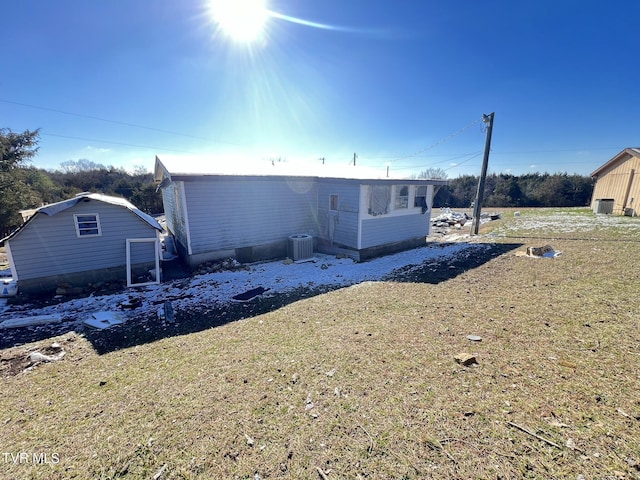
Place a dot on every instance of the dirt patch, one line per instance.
(20, 359)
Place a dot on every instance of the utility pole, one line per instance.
(487, 119)
(354, 159)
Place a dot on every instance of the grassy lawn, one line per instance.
(361, 382)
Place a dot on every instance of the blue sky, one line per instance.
(401, 83)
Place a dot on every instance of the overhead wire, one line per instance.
(117, 122)
(113, 143)
(419, 153)
(441, 141)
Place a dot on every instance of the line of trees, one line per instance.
(530, 190)
(23, 186)
(504, 190)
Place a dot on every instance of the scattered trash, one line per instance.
(8, 287)
(250, 440)
(474, 338)
(220, 265)
(37, 357)
(449, 218)
(545, 251)
(294, 378)
(160, 473)
(249, 294)
(623, 413)
(165, 312)
(331, 372)
(131, 303)
(322, 474)
(465, 359)
(102, 320)
(30, 321)
(309, 404)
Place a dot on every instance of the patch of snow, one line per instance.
(218, 288)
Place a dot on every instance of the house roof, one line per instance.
(635, 152)
(55, 208)
(176, 169)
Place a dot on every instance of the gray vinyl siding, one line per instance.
(48, 245)
(236, 212)
(346, 226)
(389, 229)
(174, 213)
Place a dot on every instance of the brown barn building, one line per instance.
(617, 184)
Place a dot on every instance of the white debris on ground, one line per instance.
(450, 220)
(217, 289)
(545, 251)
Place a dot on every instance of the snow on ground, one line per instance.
(217, 289)
(546, 220)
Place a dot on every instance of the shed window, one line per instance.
(333, 202)
(401, 199)
(87, 225)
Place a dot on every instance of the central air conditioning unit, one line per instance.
(300, 247)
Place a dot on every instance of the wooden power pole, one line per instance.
(488, 119)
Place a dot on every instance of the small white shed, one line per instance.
(90, 238)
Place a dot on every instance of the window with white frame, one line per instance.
(401, 198)
(379, 199)
(420, 200)
(87, 225)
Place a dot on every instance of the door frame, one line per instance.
(157, 261)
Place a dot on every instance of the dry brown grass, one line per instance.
(559, 357)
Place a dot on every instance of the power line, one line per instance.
(116, 122)
(440, 161)
(113, 143)
(440, 142)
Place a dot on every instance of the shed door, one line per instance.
(143, 262)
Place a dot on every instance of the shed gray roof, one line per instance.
(55, 208)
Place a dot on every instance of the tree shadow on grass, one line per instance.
(148, 328)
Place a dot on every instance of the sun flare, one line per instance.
(241, 20)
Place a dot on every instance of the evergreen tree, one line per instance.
(16, 150)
